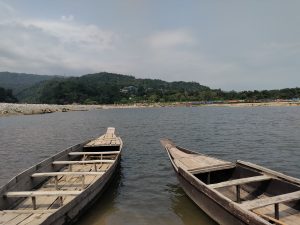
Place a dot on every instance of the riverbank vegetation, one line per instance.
(6, 95)
(109, 88)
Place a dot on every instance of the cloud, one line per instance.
(45, 46)
(66, 45)
(171, 39)
(6, 11)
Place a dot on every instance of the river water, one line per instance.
(145, 190)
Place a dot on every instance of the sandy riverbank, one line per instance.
(7, 109)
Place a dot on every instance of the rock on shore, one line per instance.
(29, 109)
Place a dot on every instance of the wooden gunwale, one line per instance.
(192, 185)
(245, 217)
(45, 169)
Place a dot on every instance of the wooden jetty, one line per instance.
(59, 189)
(236, 193)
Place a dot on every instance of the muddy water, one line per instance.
(145, 190)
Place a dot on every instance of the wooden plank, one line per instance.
(40, 193)
(240, 181)
(258, 203)
(83, 162)
(5, 217)
(270, 218)
(212, 168)
(269, 171)
(51, 174)
(36, 220)
(20, 211)
(94, 153)
(32, 218)
(19, 219)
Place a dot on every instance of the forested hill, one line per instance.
(108, 88)
(20, 81)
(6, 95)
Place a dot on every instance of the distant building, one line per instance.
(129, 90)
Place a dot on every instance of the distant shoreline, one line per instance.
(8, 109)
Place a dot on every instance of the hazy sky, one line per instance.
(240, 44)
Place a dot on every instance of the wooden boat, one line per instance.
(60, 188)
(236, 193)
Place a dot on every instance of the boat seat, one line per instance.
(240, 181)
(94, 153)
(212, 168)
(54, 174)
(83, 162)
(34, 194)
(259, 203)
(20, 194)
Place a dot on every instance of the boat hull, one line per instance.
(213, 203)
(205, 203)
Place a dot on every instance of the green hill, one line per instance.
(107, 88)
(6, 95)
(17, 82)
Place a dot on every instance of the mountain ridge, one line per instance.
(110, 88)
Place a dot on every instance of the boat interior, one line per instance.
(275, 200)
(41, 190)
(273, 196)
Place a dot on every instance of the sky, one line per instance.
(232, 45)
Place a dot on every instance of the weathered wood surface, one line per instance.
(269, 171)
(29, 211)
(84, 162)
(40, 193)
(235, 200)
(108, 139)
(94, 153)
(258, 203)
(240, 181)
(68, 189)
(194, 162)
(270, 218)
(79, 173)
(46, 201)
(212, 168)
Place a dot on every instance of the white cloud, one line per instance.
(67, 46)
(54, 46)
(74, 33)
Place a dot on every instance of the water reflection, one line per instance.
(105, 206)
(185, 208)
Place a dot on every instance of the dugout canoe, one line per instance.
(60, 188)
(236, 193)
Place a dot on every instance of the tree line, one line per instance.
(107, 88)
(110, 88)
(6, 95)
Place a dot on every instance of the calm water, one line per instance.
(146, 190)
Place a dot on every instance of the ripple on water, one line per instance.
(145, 190)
